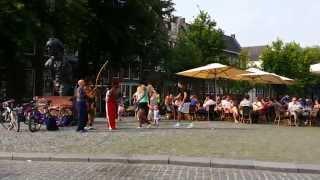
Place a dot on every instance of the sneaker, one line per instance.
(139, 127)
(190, 125)
(91, 128)
(86, 128)
(177, 125)
(149, 126)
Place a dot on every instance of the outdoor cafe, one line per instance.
(291, 111)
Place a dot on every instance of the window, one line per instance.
(115, 74)
(126, 72)
(135, 72)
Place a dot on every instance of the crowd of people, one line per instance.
(183, 105)
(146, 99)
(298, 110)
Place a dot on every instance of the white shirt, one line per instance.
(292, 107)
(208, 103)
(226, 104)
(245, 102)
(257, 106)
(107, 95)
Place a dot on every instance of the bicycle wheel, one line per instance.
(32, 124)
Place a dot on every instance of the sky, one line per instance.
(259, 22)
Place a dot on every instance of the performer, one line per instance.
(142, 101)
(81, 105)
(183, 109)
(91, 95)
(111, 105)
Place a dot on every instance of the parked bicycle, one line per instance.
(37, 115)
(42, 113)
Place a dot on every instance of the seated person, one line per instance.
(226, 105)
(245, 103)
(308, 105)
(316, 108)
(219, 108)
(206, 106)
(234, 111)
(316, 104)
(169, 104)
(295, 109)
(208, 102)
(193, 101)
(269, 109)
(258, 109)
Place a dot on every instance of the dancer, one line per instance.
(91, 96)
(184, 96)
(142, 100)
(111, 105)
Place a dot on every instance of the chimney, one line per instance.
(233, 36)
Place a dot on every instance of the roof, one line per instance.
(254, 52)
(231, 44)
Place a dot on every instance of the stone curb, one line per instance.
(170, 160)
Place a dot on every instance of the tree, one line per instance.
(117, 30)
(199, 44)
(291, 60)
(120, 33)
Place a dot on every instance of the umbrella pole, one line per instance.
(215, 83)
(215, 93)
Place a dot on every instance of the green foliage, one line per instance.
(122, 33)
(293, 61)
(199, 44)
(98, 29)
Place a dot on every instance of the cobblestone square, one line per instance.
(32, 170)
(215, 139)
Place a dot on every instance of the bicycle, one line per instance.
(41, 113)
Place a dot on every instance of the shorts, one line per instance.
(143, 106)
(184, 108)
(92, 112)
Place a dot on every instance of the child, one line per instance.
(156, 115)
(121, 109)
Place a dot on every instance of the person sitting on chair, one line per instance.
(226, 106)
(257, 107)
(295, 109)
(234, 111)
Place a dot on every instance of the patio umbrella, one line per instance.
(287, 81)
(315, 68)
(261, 78)
(213, 71)
(258, 76)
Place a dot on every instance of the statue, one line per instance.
(61, 68)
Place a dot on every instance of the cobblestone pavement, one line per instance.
(33, 170)
(206, 139)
